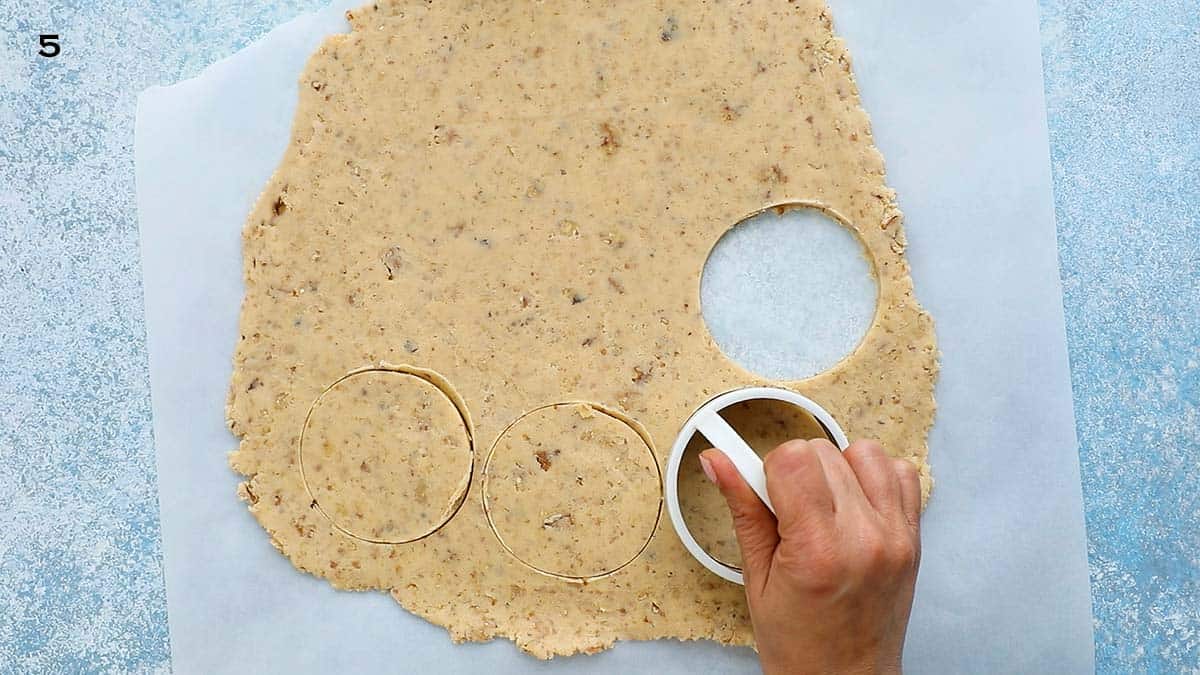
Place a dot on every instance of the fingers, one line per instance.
(846, 490)
(910, 492)
(877, 476)
(798, 485)
(756, 528)
(812, 486)
(892, 486)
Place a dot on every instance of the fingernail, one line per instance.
(708, 470)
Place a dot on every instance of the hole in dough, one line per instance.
(386, 456)
(573, 490)
(788, 293)
(764, 424)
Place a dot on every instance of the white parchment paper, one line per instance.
(955, 91)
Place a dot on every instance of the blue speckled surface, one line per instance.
(1122, 85)
(80, 569)
(81, 584)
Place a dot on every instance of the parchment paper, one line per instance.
(955, 91)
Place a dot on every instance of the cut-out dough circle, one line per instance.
(386, 456)
(572, 490)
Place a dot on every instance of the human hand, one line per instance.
(829, 578)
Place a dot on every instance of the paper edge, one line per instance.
(145, 100)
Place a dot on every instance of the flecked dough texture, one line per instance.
(573, 491)
(386, 456)
(517, 199)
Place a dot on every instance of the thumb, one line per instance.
(757, 531)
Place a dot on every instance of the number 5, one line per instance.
(49, 46)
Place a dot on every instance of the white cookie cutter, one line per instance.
(708, 422)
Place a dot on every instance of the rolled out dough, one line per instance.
(516, 200)
(565, 478)
(386, 456)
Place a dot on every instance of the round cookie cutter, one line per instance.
(708, 422)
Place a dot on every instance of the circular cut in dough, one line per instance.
(788, 293)
(764, 424)
(386, 456)
(572, 491)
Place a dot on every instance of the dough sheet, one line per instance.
(494, 217)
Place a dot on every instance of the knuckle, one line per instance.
(905, 469)
(787, 454)
(824, 585)
(884, 552)
(876, 554)
(900, 556)
(741, 513)
(875, 467)
(904, 553)
(823, 444)
(795, 445)
(737, 511)
(819, 568)
(865, 449)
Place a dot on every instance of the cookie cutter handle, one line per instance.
(733, 446)
(725, 438)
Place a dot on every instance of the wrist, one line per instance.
(798, 665)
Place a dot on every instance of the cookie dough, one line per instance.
(565, 478)
(386, 456)
(517, 200)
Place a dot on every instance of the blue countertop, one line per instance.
(80, 564)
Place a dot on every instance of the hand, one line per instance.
(830, 582)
